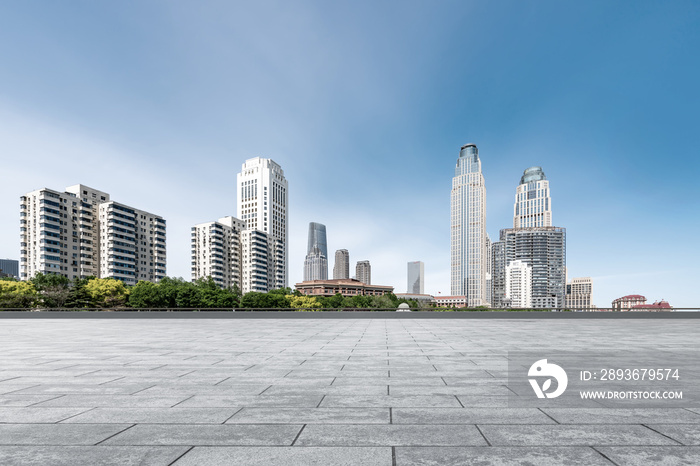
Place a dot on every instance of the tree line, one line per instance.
(57, 291)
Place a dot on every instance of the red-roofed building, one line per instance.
(657, 306)
(628, 302)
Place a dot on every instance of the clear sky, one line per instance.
(365, 104)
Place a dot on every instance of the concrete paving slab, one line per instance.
(89, 456)
(687, 434)
(311, 416)
(37, 415)
(658, 456)
(300, 401)
(469, 416)
(153, 416)
(208, 435)
(569, 435)
(339, 401)
(287, 456)
(20, 401)
(622, 415)
(499, 456)
(57, 434)
(391, 435)
(126, 401)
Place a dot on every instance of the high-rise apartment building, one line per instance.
(217, 252)
(519, 284)
(316, 262)
(416, 277)
(363, 272)
(261, 253)
(468, 228)
(233, 255)
(81, 232)
(498, 275)
(262, 205)
(579, 294)
(489, 270)
(341, 268)
(544, 250)
(121, 226)
(533, 205)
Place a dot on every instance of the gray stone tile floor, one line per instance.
(321, 392)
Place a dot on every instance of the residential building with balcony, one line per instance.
(80, 232)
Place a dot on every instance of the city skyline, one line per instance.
(162, 117)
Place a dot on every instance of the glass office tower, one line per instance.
(316, 262)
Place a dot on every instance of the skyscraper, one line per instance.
(341, 268)
(415, 277)
(468, 228)
(316, 262)
(533, 205)
(262, 205)
(81, 232)
(363, 272)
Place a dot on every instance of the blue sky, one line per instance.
(365, 105)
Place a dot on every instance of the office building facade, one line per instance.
(468, 228)
(415, 277)
(80, 232)
(533, 204)
(341, 268)
(262, 205)
(579, 294)
(9, 268)
(363, 272)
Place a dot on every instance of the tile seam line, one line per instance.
(113, 435)
(603, 455)
(180, 456)
(668, 437)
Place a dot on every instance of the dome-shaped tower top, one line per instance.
(532, 174)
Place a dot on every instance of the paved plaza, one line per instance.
(320, 392)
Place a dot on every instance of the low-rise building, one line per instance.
(656, 306)
(451, 301)
(420, 297)
(628, 302)
(346, 287)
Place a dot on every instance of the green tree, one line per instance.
(53, 288)
(256, 300)
(336, 301)
(107, 292)
(78, 296)
(211, 295)
(16, 294)
(305, 303)
(146, 295)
